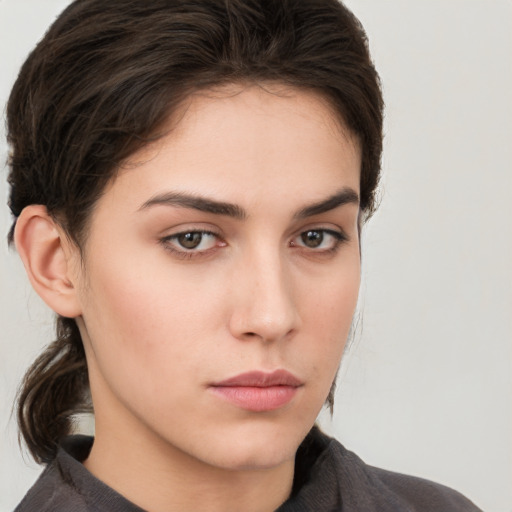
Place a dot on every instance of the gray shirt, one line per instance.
(328, 478)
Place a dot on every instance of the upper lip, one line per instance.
(261, 379)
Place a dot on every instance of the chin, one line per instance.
(254, 460)
(256, 448)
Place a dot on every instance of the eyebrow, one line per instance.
(200, 203)
(203, 204)
(344, 196)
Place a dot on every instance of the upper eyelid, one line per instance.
(218, 233)
(337, 232)
(185, 231)
(339, 235)
(331, 229)
(177, 231)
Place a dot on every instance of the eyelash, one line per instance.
(170, 242)
(338, 239)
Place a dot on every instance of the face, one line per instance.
(220, 277)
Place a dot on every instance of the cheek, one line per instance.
(326, 321)
(332, 303)
(143, 323)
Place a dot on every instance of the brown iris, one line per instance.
(312, 239)
(190, 240)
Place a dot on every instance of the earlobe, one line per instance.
(46, 255)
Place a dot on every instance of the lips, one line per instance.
(258, 391)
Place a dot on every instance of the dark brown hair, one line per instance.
(104, 80)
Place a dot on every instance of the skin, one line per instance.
(160, 323)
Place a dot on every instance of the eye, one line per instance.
(191, 242)
(319, 239)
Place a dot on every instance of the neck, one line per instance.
(158, 477)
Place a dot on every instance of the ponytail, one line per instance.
(55, 388)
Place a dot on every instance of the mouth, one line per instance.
(258, 391)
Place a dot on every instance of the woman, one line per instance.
(189, 182)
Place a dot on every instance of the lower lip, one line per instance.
(257, 399)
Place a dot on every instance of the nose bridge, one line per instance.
(264, 304)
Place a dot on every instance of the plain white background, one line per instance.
(426, 388)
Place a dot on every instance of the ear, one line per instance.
(47, 255)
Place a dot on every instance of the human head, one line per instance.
(104, 81)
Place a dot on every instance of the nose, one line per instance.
(264, 305)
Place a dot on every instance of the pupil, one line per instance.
(190, 240)
(312, 238)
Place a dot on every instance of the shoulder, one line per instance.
(52, 493)
(386, 490)
(339, 478)
(66, 485)
(56, 490)
(420, 494)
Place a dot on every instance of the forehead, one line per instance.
(240, 120)
(239, 142)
